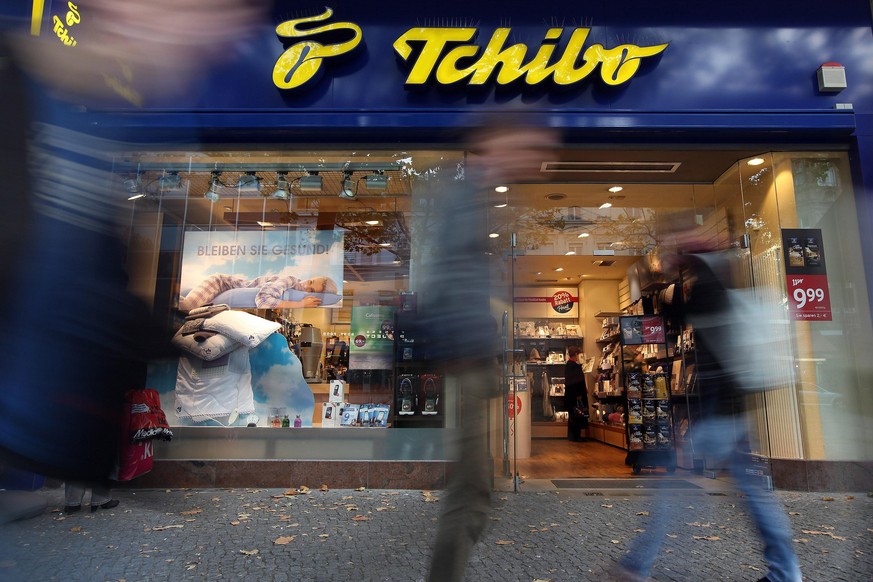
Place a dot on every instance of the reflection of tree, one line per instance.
(368, 239)
(631, 229)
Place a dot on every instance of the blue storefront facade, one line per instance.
(610, 76)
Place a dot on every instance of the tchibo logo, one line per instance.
(450, 56)
(301, 62)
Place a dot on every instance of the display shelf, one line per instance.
(609, 339)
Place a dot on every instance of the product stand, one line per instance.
(685, 398)
(649, 412)
(419, 386)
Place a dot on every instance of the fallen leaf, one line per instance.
(850, 497)
(642, 513)
(382, 508)
(607, 506)
(325, 488)
(793, 513)
(191, 512)
(572, 513)
(823, 533)
(163, 527)
(827, 498)
(697, 524)
(76, 529)
(709, 538)
(283, 540)
(248, 552)
(504, 542)
(361, 489)
(234, 523)
(303, 489)
(615, 541)
(324, 535)
(360, 518)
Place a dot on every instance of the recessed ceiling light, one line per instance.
(755, 161)
(559, 269)
(584, 235)
(493, 235)
(372, 222)
(136, 196)
(501, 205)
(615, 189)
(539, 272)
(556, 196)
(606, 205)
(384, 244)
(502, 189)
(570, 253)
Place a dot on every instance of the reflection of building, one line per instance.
(679, 133)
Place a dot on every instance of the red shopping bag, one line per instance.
(136, 459)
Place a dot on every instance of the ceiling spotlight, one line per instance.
(371, 222)
(615, 189)
(570, 253)
(583, 235)
(349, 189)
(170, 181)
(377, 181)
(606, 205)
(281, 192)
(310, 182)
(249, 182)
(501, 205)
(502, 189)
(493, 235)
(213, 194)
(559, 269)
(755, 161)
(133, 187)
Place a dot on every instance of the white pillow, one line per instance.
(249, 330)
(209, 349)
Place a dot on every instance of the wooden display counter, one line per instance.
(609, 434)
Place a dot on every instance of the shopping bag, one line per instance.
(146, 419)
(136, 459)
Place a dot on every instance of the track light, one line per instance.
(213, 193)
(249, 182)
(310, 183)
(170, 181)
(281, 192)
(349, 189)
(377, 181)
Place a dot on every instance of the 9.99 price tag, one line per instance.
(808, 297)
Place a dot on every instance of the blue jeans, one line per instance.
(721, 438)
(74, 492)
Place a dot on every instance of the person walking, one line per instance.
(721, 433)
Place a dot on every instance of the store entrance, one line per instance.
(576, 249)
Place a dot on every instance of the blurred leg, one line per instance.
(74, 491)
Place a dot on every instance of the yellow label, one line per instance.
(445, 49)
(301, 61)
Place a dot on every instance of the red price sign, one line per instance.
(808, 297)
(653, 330)
(513, 405)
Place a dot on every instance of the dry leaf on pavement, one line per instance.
(504, 542)
(283, 540)
(360, 518)
(191, 512)
(249, 552)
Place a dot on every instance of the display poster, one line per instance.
(262, 270)
(546, 302)
(806, 276)
(642, 329)
(372, 335)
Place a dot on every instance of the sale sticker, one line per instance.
(808, 298)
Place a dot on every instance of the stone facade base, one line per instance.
(799, 475)
(427, 475)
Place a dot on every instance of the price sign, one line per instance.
(513, 405)
(808, 297)
(642, 329)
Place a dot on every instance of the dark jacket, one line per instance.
(574, 385)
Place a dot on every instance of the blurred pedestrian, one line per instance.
(101, 495)
(575, 395)
(721, 433)
(457, 311)
(73, 337)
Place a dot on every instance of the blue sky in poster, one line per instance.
(301, 253)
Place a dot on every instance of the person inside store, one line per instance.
(575, 395)
(721, 433)
(271, 288)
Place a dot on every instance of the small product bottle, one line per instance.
(276, 422)
(286, 422)
(298, 422)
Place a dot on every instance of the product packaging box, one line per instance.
(365, 415)
(664, 437)
(661, 386)
(634, 386)
(431, 388)
(635, 437)
(648, 386)
(407, 394)
(649, 411)
(330, 414)
(380, 415)
(635, 411)
(650, 437)
(337, 391)
(349, 414)
(663, 411)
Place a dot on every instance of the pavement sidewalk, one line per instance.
(539, 534)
